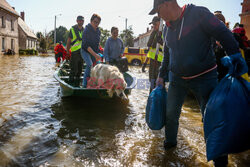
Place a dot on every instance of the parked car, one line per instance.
(135, 56)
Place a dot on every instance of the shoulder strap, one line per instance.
(77, 33)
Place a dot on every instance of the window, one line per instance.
(134, 50)
(146, 51)
(12, 44)
(3, 44)
(12, 25)
(3, 22)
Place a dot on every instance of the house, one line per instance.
(8, 28)
(245, 16)
(142, 40)
(27, 39)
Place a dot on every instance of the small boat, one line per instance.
(67, 89)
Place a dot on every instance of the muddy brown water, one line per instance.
(39, 128)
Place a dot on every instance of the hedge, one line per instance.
(28, 52)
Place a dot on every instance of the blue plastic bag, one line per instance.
(156, 108)
(227, 118)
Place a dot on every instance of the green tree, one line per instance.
(43, 45)
(39, 35)
(127, 37)
(105, 34)
(61, 33)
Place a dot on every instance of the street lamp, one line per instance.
(55, 30)
(126, 23)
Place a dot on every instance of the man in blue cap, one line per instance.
(192, 64)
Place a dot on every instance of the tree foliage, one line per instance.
(39, 35)
(127, 37)
(61, 34)
(43, 44)
(105, 34)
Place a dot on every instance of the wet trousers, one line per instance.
(89, 59)
(76, 63)
(201, 87)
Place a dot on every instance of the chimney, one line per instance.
(147, 29)
(13, 7)
(22, 15)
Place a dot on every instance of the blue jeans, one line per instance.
(89, 59)
(201, 87)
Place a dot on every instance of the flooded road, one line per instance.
(39, 128)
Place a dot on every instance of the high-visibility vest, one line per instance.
(245, 76)
(76, 44)
(152, 52)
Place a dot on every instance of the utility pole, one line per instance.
(126, 23)
(55, 33)
(55, 30)
(126, 28)
(126, 35)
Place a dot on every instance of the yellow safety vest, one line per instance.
(152, 52)
(76, 44)
(245, 76)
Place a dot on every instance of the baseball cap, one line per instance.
(80, 18)
(155, 19)
(156, 4)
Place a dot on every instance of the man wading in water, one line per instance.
(192, 65)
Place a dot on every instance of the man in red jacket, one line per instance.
(59, 51)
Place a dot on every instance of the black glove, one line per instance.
(143, 67)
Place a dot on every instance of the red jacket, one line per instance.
(59, 48)
(241, 31)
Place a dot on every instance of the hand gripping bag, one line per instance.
(227, 118)
(156, 108)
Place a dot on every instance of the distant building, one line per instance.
(142, 40)
(8, 28)
(27, 39)
(245, 16)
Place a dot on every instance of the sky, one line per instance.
(40, 14)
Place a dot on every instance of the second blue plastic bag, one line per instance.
(227, 118)
(156, 108)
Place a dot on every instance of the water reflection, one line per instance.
(90, 125)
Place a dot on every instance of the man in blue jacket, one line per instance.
(192, 63)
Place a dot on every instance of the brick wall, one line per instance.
(245, 16)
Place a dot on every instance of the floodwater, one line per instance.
(39, 128)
